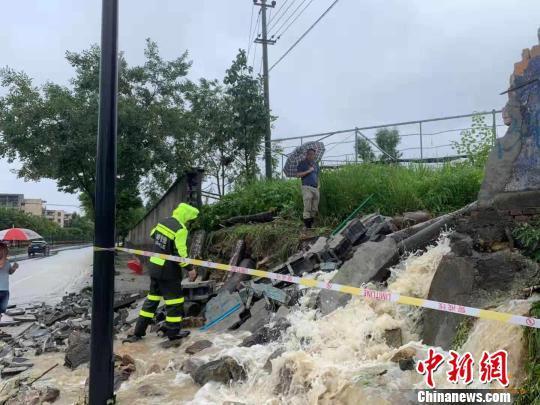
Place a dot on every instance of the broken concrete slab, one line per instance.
(266, 334)
(268, 365)
(12, 371)
(452, 283)
(24, 318)
(370, 262)
(340, 246)
(15, 311)
(270, 292)
(259, 316)
(393, 338)
(224, 370)
(198, 346)
(319, 246)
(78, 351)
(223, 311)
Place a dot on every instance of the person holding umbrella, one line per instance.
(6, 268)
(308, 171)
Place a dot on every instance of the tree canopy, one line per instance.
(166, 124)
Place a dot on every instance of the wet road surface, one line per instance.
(47, 279)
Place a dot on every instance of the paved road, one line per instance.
(49, 278)
(54, 251)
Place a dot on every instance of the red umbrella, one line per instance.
(19, 234)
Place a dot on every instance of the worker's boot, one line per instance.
(307, 224)
(174, 338)
(132, 339)
(178, 334)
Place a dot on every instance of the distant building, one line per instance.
(68, 217)
(14, 201)
(33, 206)
(57, 216)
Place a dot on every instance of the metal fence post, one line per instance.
(356, 145)
(494, 126)
(421, 141)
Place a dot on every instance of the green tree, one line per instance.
(476, 142)
(211, 119)
(51, 129)
(388, 139)
(245, 100)
(364, 151)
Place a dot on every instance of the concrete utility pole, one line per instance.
(265, 41)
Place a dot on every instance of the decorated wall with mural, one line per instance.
(512, 178)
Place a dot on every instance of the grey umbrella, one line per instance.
(299, 154)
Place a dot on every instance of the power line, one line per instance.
(252, 34)
(290, 16)
(274, 23)
(250, 29)
(254, 55)
(293, 21)
(276, 14)
(304, 34)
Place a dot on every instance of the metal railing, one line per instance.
(426, 140)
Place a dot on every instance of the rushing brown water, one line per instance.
(338, 359)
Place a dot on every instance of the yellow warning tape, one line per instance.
(357, 291)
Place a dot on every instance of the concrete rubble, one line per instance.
(35, 329)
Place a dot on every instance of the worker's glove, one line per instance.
(192, 274)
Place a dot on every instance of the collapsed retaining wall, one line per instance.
(512, 176)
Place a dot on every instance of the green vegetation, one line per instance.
(531, 389)
(275, 240)
(387, 139)
(81, 228)
(166, 124)
(397, 189)
(462, 333)
(528, 238)
(476, 142)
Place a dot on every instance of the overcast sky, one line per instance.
(368, 62)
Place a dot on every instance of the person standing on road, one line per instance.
(170, 237)
(308, 171)
(6, 269)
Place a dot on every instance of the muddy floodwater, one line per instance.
(342, 358)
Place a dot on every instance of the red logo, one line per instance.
(494, 367)
(461, 368)
(430, 365)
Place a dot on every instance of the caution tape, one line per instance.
(356, 291)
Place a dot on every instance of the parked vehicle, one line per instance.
(38, 246)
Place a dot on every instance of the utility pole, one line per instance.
(265, 41)
(101, 342)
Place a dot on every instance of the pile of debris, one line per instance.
(38, 328)
(249, 304)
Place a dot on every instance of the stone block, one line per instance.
(452, 283)
(370, 262)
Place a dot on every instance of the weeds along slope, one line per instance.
(396, 189)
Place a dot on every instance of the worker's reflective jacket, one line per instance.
(170, 237)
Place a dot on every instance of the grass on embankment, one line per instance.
(396, 189)
(531, 388)
(274, 241)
